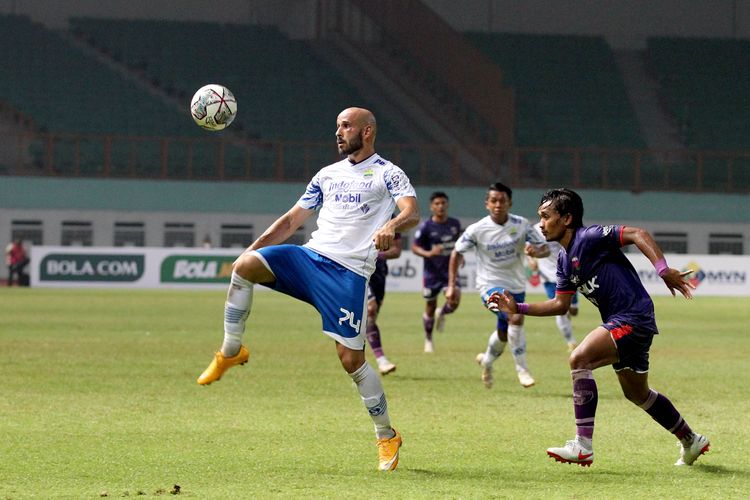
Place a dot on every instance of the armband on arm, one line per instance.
(661, 266)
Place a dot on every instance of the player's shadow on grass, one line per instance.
(720, 470)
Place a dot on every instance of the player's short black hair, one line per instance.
(565, 201)
(438, 194)
(500, 188)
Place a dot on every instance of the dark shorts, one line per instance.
(431, 293)
(376, 290)
(633, 344)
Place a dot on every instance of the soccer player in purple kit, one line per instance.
(375, 296)
(434, 241)
(592, 262)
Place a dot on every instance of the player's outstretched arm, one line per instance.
(673, 278)
(506, 303)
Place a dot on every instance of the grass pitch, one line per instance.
(99, 399)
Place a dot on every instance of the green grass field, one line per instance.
(99, 398)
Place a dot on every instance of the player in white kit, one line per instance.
(500, 242)
(356, 198)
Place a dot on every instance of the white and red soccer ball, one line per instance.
(213, 107)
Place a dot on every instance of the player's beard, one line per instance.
(351, 146)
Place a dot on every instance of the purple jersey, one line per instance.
(595, 265)
(431, 233)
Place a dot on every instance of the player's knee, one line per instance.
(637, 396)
(351, 360)
(372, 310)
(251, 268)
(578, 360)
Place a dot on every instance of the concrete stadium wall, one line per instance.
(208, 205)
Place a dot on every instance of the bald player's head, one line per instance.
(355, 133)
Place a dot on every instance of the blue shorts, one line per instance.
(502, 318)
(337, 293)
(633, 344)
(550, 287)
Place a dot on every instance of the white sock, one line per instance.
(495, 348)
(585, 442)
(517, 341)
(371, 389)
(565, 326)
(236, 309)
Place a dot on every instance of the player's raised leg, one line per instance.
(660, 408)
(370, 389)
(248, 270)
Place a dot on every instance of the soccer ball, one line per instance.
(213, 107)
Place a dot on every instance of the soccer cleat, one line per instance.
(698, 447)
(572, 453)
(525, 378)
(486, 372)
(428, 346)
(220, 364)
(439, 320)
(384, 366)
(388, 452)
(572, 345)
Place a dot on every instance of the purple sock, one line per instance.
(663, 411)
(447, 309)
(429, 323)
(373, 338)
(585, 399)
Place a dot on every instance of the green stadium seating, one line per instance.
(569, 91)
(284, 91)
(705, 84)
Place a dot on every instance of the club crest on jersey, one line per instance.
(368, 173)
(575, 262)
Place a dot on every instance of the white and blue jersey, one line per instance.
(331, 271)
(354, 201)
(500, 251)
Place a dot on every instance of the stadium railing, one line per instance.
(225, 158)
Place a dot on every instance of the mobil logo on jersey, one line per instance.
(347, 197)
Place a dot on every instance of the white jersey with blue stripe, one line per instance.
(548, 265)
(500, 251)
(354, 201)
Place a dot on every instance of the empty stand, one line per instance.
(568, 90)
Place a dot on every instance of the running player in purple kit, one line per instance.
(434, 241)
(375, 296)
(592, 262)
